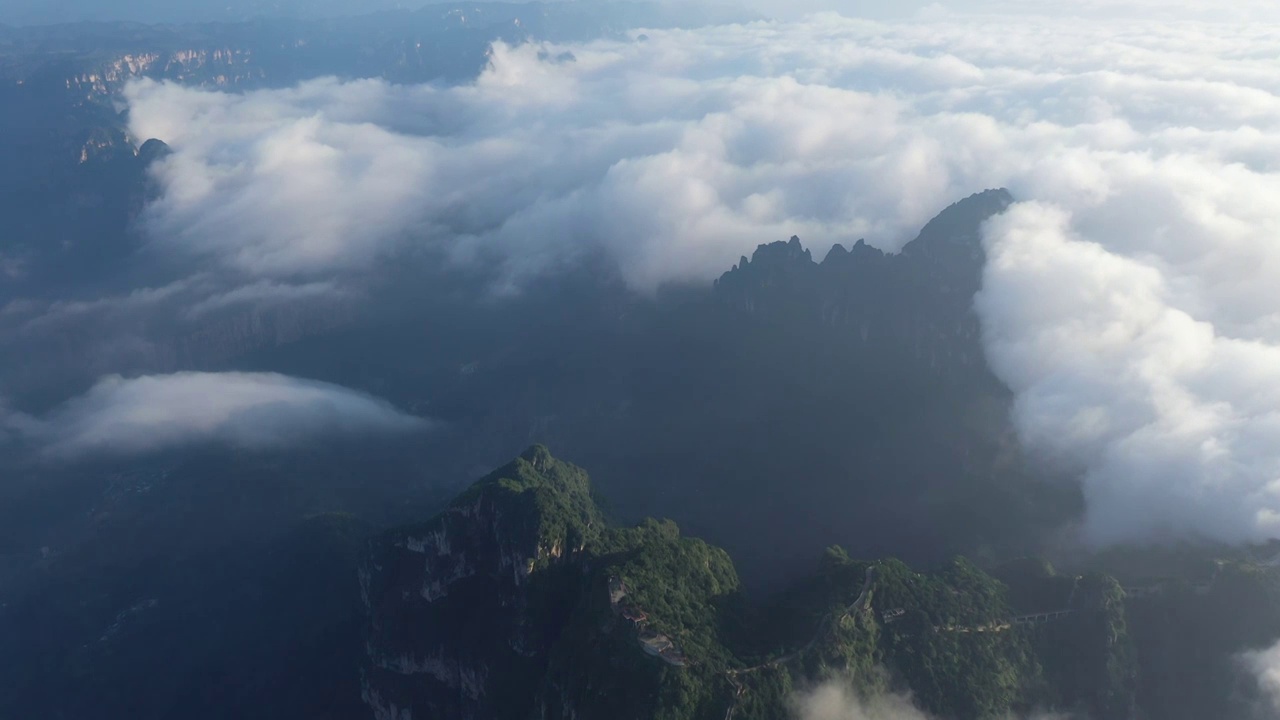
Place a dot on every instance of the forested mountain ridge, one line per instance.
(519, 600)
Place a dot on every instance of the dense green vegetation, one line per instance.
(546, 500)
(952, 646)
(571, 637)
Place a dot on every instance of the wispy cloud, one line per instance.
(835, 701)
(248, 410)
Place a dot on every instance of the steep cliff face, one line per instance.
(217, 67)
(912, 309)
(459, 606)
(893, 419)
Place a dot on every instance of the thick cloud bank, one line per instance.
(250, 410)
(1131, 301)
(1120, 367)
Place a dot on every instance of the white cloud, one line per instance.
(1132, 303)
(265, 294)
(34, 316)
(1175, 425)
(1265, 665)
(1146, 10)
(834, 701)
(197, 295)
(249, 410)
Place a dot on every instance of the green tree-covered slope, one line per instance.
(521, 601)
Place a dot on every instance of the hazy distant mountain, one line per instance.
(47, 12)
(63, 139)
(28, 12)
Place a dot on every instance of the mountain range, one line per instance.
(803, 475)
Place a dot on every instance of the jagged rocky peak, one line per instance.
(953, 236)
(904, 311)
(960, 224)
(769, 264)
(791, 251)
(860, 253)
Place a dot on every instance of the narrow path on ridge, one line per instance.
(828, 625)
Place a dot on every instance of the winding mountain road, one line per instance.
(860, 604)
